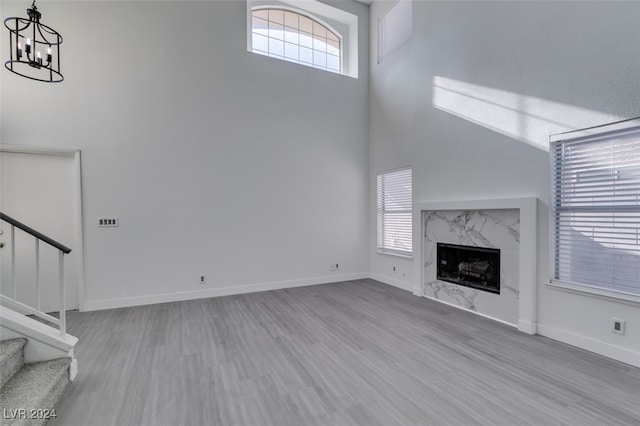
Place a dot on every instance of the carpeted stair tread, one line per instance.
(37, 386)
(11, 358)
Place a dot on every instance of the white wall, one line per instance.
(217, 161)
(470, 102)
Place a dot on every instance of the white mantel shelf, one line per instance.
(527, 206)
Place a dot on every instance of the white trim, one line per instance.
(328, 11)
(488, 204)
(528, 327)
(79, 229)
(26, 149)
(605, 349)
(473, 312)
(95, 305)
(23, 309)
(397, 169)
(392, 282)
(596, 130)
(79, 219)
(528, 208)
(73, 369)
(598, 293)
(36, 330)
(405, 255)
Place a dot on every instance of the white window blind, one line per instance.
(596, 208)
(395, 212)
(395, 28)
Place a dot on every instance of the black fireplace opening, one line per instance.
(475, 267)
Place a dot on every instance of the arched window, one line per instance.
(295, 37)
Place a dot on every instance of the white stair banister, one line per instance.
(12, 301)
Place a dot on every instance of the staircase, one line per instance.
(29, 392)
(36, 353)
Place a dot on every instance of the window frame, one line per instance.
(593, 134)
(380, 231)
(313, 18)
(342, 22)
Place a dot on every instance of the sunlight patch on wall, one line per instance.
(525, 118)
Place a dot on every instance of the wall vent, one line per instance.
(395, 28)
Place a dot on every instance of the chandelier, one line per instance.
(34, 48)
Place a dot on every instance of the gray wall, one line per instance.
(470, 102)
(217, 161)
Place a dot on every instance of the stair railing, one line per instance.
(12, 302)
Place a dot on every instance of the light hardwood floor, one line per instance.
(352, 353)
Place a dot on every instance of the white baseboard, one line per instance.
(611, 351)
(527, 327)
(390, 281)
(96, 305)
(73, 369)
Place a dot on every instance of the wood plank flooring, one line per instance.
(352, 353)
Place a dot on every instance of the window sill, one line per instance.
(408, 256)
(612, 296)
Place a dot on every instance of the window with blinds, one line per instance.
(395, 28)
(395, 212)
(595, 207)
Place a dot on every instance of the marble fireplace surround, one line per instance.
(527, 255)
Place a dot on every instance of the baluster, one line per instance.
(38, 273)
(63, 317)
(13, 262)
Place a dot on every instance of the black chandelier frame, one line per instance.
(26, 37)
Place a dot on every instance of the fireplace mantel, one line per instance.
(527, 206)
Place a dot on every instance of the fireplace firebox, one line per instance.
(475, 267)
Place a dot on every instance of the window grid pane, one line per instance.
(291, 20)
(291, 51)
(296, 38)
(260, 43)
(276, 31)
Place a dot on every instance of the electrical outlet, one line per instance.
(108, 221)
(394, 268)
(617, 325)
(203, 279)
(334, 267)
